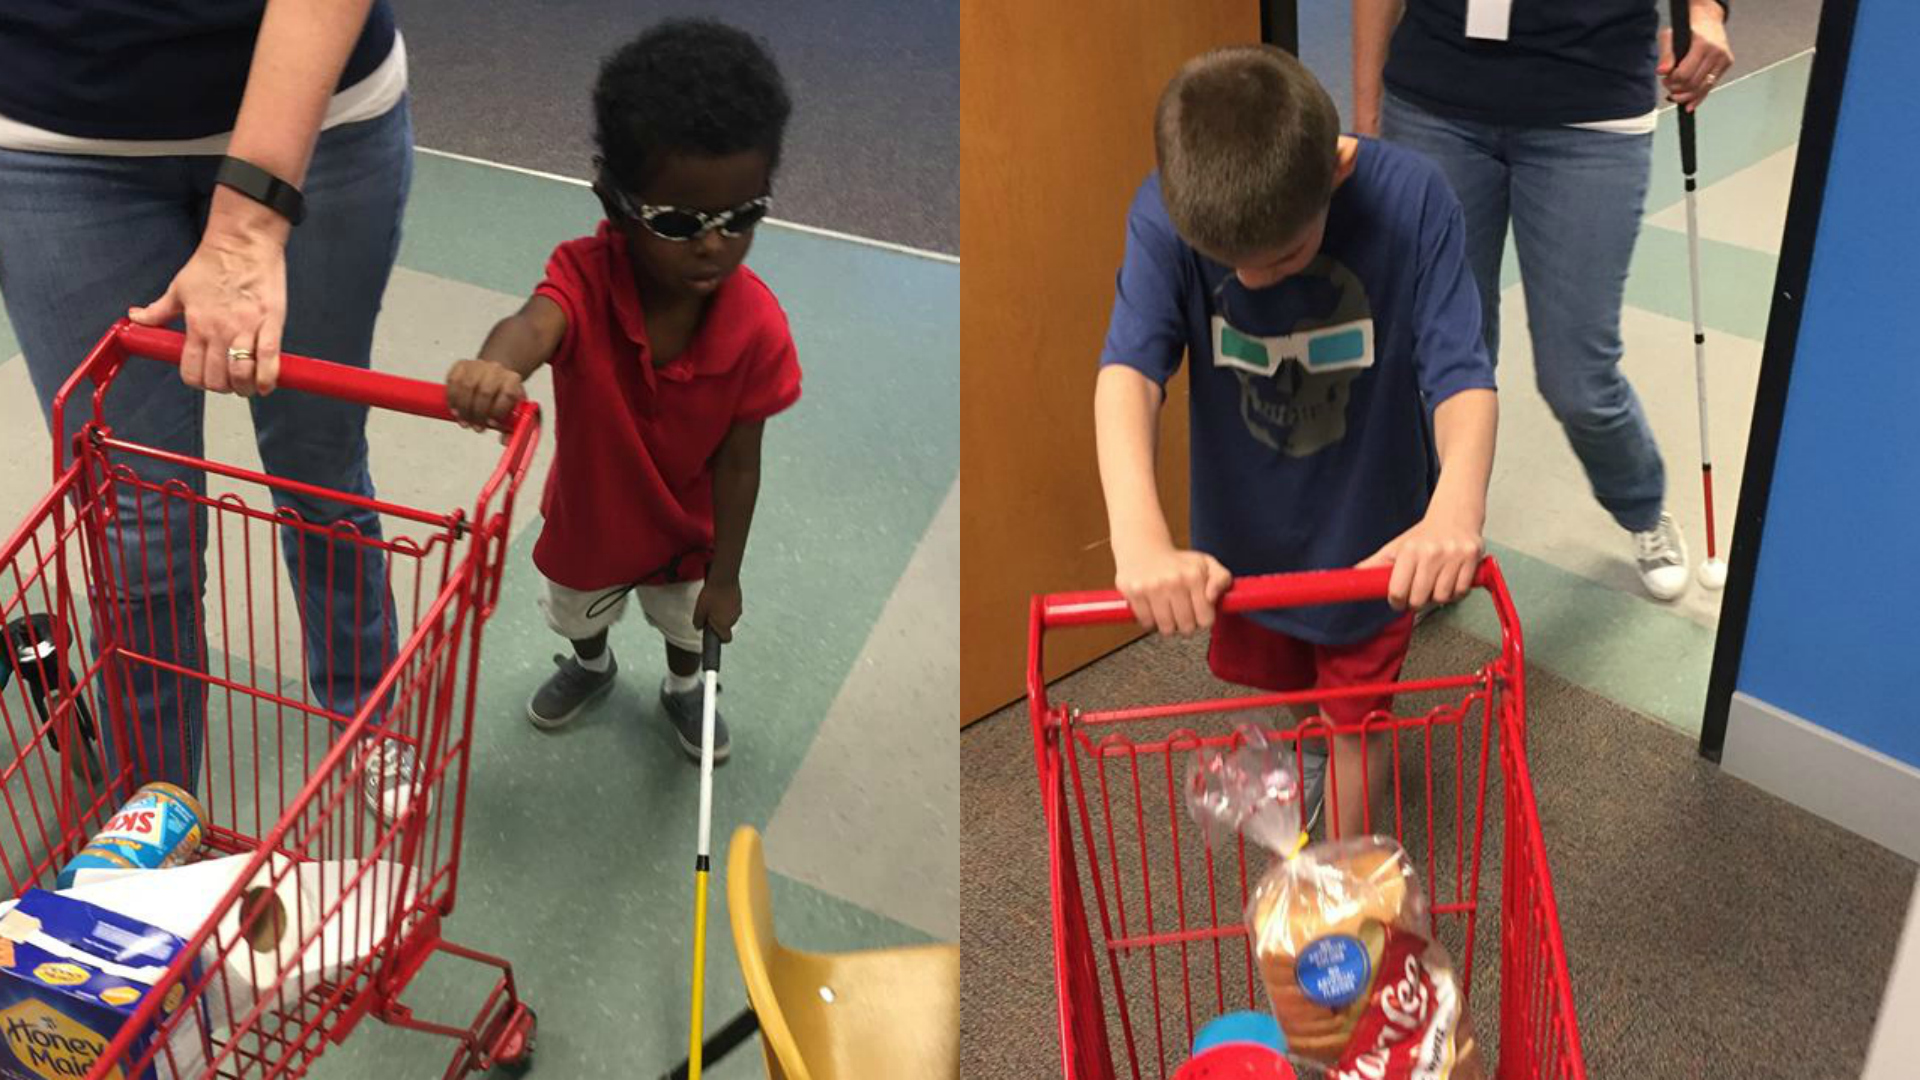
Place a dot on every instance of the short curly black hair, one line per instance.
(687, 86)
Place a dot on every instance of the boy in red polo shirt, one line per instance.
(667, 356)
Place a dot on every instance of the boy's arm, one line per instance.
(1435, 560)
(484, 391)
(736, 487)
(1170, 590)
(1373, 22)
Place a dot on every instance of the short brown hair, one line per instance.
(1247, 140)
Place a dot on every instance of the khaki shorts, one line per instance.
(577, 615)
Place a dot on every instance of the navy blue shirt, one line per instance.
(1564, 62)
(1312, 399)
(143, 69)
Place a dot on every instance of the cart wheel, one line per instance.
(516, 1050)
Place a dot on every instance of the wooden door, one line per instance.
(1056, 133)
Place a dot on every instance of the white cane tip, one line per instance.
(1713, 573)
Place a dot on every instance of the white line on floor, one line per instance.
(834, 234)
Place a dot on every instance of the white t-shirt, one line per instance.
(1644, 124)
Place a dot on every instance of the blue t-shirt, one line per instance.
(1312, 440)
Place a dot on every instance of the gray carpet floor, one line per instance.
(874, 146)
(1712, 931)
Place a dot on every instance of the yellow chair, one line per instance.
(841, 1016)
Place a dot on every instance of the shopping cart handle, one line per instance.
(1246, 594)
(378, 389)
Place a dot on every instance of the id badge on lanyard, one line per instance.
(1487, 19)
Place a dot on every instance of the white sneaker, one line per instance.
(388, 783)
(1662, 556)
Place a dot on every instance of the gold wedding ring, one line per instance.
(1712, 78)
(237, 355)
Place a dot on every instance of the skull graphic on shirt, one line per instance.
(1293, 408)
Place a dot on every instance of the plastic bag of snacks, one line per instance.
(1340, 931)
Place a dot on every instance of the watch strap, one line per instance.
(262, 187)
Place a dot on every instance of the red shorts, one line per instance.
(1248, 654)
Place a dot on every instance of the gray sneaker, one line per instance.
(1661, 554)
(568, 692)
(683, 712)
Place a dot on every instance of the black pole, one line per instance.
(1832, 46)
(720, 1043)
(1280, 24)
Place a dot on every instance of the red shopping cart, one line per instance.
(1172, 950)
(340, 897)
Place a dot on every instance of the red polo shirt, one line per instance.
(630, 499)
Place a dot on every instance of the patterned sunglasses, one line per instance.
(680, 225)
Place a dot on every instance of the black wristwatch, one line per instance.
(262, 187)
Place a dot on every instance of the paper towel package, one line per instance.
(71, 975)
(288, 904)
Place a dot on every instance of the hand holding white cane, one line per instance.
(1713, 572)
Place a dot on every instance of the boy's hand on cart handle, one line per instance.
(717, 608)
(1172, 591)
(1433, 562)
(482, 393)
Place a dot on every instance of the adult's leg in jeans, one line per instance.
(1473, 158)
(338, 263)
(1577, 201)
(81, 240)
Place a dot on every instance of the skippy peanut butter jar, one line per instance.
(157, 828)
(1340, 932)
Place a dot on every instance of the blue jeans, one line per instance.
(1575, 199)
(82, 238)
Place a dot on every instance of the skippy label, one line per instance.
(158, 827)
(1408, 1031)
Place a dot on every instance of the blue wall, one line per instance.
(1836, 608)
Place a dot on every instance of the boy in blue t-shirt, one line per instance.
(1342, 400)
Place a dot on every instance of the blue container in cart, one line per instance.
(1240, 1046)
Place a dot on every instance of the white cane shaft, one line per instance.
(1699, 329)
(1700, 376)
(709, 706)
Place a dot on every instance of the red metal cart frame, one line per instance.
(281, 778)
(1172, 948)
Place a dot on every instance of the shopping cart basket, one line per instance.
(1172, 950)
(266, 984)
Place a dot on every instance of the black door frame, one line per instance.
(1280, 24)
(1832, 47)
